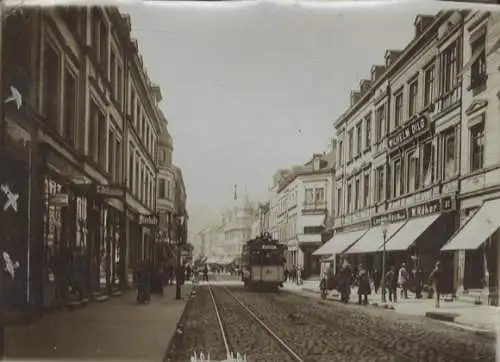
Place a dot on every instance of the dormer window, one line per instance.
(355, 96)
(162, 157)
(390, 57)
(316, 164)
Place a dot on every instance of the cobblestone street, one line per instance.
(319, 331)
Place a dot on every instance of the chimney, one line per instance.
(316, 161)
(126, 19)
(156, 93)
(421, 23)
(391, 56)
(355, 96)
(377, 71)
(141, 64)
(364, 86)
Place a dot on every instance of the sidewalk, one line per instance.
(464, 313)
(119, 329)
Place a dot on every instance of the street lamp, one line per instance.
(180, 239)
(384, 235)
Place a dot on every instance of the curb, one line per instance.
(175, 343)
(442, 316)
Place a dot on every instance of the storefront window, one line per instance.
(103, 265)
(81, 223)
(52, 226)
(428, 175)
(449, 155)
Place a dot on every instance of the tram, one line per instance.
(263, 263)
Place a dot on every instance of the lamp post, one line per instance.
(180, 239)
(384, 235)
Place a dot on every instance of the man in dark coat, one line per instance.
(205, 273)
(418, 281)
(436, 277)
(377, 278)
(363, 286)
(180, 274)
(344, 282)
(391, 284)
(143, 283)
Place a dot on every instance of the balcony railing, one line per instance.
(312, 206)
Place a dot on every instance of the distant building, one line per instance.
(300, 204)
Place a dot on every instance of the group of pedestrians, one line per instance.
(394, 279)
(294, 275)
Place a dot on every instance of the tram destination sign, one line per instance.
(414, 128)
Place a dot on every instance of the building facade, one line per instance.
(412, 159)
(299, 209)
(80, 150)
(261, 223)
(181, 216)
(475, 245)
(166, 196)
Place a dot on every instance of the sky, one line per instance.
(250, 88)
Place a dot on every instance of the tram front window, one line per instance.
(267, 258)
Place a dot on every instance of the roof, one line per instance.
(327, 163)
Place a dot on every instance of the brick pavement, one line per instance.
(467, 314)
(119, 329)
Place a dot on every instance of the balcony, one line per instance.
(449, 99)
(313, 207)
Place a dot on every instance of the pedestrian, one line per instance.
(344, 282)
(299, 275)
(285, 274)
(188, 272)
(377, 278)
(418, 280)
(170, 273)
(363, 285)
(403, 277)
(391, 284)
(143, 283)
(436, 277)
(205, 273)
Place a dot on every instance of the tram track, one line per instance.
(259, 344)
(407, 344)
(335, 342)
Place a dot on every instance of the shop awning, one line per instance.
(339, 242)
(371, 241)
(309, 238)
(477, 229)
(405, 237)
(313, 220)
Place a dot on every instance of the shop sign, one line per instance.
(110, 191)
(431, 207)
(414, 128)
(391, 217)
(148, 220)
(59, 200)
